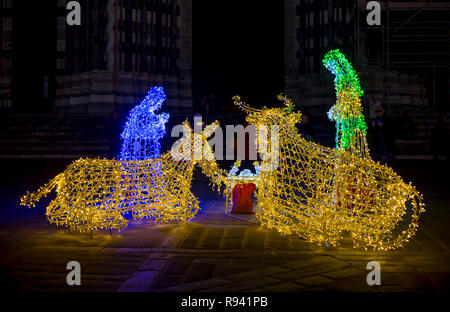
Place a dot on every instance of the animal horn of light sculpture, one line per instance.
(96, 193)
(319, 193)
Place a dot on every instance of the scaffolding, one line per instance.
(415, 36)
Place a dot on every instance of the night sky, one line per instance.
(34, 41)
(238, 48)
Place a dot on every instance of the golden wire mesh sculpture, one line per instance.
(96, 193)
(320, 193)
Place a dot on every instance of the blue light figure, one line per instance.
(144, 128)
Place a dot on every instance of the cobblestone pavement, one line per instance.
(215, 252)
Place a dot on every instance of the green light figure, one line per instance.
(347, 113)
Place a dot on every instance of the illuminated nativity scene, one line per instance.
(315, 192)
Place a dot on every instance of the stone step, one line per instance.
(46, 136)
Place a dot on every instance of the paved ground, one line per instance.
(213, 253)
(216, 252)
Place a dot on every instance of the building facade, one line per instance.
(311, 29)
(122, 48)
(6, 17)
(106, 64)
(397, 61)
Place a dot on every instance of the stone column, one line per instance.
(290, 48)
(185, 105)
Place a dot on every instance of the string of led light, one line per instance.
(316, 192)
(347, 112)
(319, 193)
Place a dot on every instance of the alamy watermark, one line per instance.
(374, 16)
(74, 15)
(374, 276)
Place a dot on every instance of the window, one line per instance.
(60, 45)
(6, 63)
(7, 24)
(138, 15)
(7, 45)
(60, 64)
(61, 22)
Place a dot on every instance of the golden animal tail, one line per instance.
(30, 199)
(415, 199)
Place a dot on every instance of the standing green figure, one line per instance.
(347, 113)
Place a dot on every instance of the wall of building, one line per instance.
(397, 66)
(311, 29)
(106, 64)
(122, 49)
(6, 23)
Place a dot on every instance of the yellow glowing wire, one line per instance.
(319, 193)
(316, 192)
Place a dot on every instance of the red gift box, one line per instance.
(242, 198)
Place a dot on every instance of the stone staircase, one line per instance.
(52, 136)
(74, 136)
(417, 146)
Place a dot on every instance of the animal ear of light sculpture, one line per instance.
(95, 193)
(319, 193)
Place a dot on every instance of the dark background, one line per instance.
(238, 49)
(34, 55)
